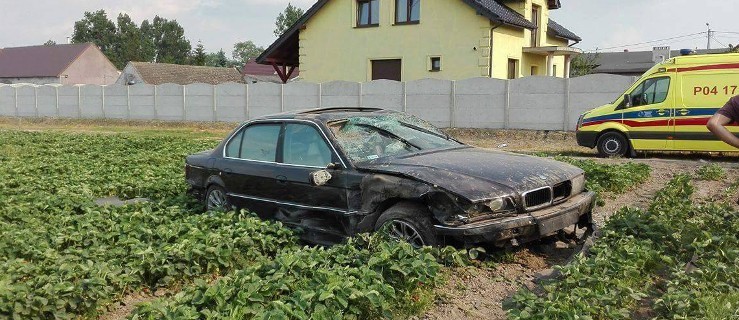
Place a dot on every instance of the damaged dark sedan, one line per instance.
(333, 173)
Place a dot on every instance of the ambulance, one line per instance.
(666, 109)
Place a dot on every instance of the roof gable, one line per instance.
(39, 61)
(557, 30)
(160, 73)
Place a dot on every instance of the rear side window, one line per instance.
(651, 91)
(305, 146)
(255, 142)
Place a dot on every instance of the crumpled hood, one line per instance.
(478, 174)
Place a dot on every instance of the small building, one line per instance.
(56, 64)
(254, 72)
(635, 63)
(160, 73)
(363, 40)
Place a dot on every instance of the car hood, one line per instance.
(477, 174)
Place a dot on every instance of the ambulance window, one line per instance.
(651, 91)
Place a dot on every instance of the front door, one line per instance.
(321, 211)
(649, 118)
(390, 69)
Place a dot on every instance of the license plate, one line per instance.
(559, 222)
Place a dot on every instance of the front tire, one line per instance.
(216, 200)
(613, 144)
(410, 222)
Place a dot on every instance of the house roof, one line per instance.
(633, 61)
(39, 61)
(159, 73)
(252, 68)
(285, 49)
(557, 30)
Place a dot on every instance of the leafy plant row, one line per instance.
(675, 260)
(610, 178)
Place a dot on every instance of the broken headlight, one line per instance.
(578, 184)
(483, 210)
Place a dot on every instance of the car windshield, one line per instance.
(366, 138)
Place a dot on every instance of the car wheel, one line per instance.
(215, 199)
(612, 144)
(408, 222)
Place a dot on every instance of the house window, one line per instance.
(554, 70)
(368, 13)
(435, 64)
(512, 68)
(534, 70)
(535, 18)
(390, 69)
(407, 11)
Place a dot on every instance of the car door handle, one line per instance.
(281, 179)
(226, 171)
(683, 111)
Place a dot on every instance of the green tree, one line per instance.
(95, 27)
(287, 19)
(169, 40)
(129, 43)
(244, 51)
(198, 55)
(50, 43)
(584, 64)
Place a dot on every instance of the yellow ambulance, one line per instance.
(666, 109)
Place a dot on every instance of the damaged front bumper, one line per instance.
(525, 227)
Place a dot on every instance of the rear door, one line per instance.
(703, 93)
(648, 119)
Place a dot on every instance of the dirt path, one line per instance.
(476, 293)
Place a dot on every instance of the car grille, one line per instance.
(543, 197)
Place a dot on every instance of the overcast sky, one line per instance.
(221, 23)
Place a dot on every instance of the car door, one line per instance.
(248, 168)
(321, 210)
(649, 116)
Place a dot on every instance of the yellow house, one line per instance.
(363, 40)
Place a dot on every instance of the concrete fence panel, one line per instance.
(537, 103)
(26, 102)
(386, 94)
(92, 102)
(141, 102)
(46, 101)
(431, 99)
(7, 101)
(340, 94)
(480, 103)
(231, 98)
(170, 102)
(264, 99)
(301, 95)
(592, 91)
(69, 101)
(200, 104)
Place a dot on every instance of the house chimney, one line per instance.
(69, 40)
(660, 54)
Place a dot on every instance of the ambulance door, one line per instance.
(703, 93)
(648, 116)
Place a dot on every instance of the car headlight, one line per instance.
(578, 184)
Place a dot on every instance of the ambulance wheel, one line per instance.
(612, 144)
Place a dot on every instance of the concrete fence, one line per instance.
(539, 103)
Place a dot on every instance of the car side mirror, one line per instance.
(320, 177)
(627, 100)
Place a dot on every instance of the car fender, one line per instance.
(214, 180)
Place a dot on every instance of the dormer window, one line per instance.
(368, 13)
(407, 11)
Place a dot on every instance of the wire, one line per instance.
(673, 42)
(653, 41)
(719, 42)
(729, 32)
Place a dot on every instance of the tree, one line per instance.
(129, 43)
(220, 59)
(244, 51)
(198, 55)
(584, 64)
(168, 38)
(287, 19)
(50, 43)
(95, 27)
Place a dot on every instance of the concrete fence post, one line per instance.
(35, 101)
(565, 125)
(361, 94)
(282, 97)
(246, 106)
(128, 102)
(79, 102)
(156, 102)
(184, 103)
(56, 91)
(215, 103)
(453, 106)
(15, 101)
(507, 106)
(102, 102)
(320, 95)
(405, 97)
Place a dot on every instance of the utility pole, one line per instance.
(709, 36)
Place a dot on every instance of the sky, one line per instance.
(606, 25)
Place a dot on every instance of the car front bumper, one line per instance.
(586, 138)
(525, 227)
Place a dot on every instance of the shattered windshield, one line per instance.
(366, 138)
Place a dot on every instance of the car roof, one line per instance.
(328, 114)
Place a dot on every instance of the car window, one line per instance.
(304, 145)
(258, 142)
(650, 91)
(233, 148)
